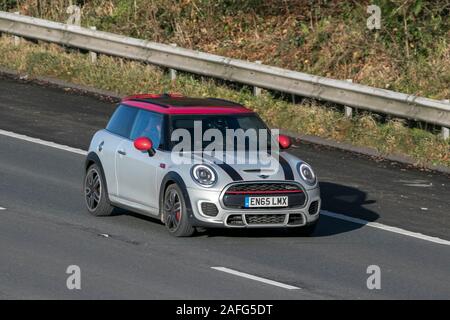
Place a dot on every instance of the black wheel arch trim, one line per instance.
(176, 178)
(92, 157)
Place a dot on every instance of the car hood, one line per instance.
(251, 166)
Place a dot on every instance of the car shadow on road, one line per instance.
(336, 198)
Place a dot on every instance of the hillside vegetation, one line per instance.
(411, 52)
(328, 38)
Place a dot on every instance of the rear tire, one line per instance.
(95, 194)
(175, 214)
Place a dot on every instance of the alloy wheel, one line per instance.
(92, 189)
(173, 210)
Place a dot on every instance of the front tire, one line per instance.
(175, 214)
(95, 194)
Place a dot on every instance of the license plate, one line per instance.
(258, 202)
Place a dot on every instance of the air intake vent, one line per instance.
(209, 209)
(313, 207)
(295, 219)
(235, 220)
(253, 219)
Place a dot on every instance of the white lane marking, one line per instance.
(1, 208)
(252, 277)
(386, 228)
(326, 213)
(416, 183)
(419, 185)
(41, 142)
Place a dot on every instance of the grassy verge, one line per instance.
(127, 77)
(326, 37)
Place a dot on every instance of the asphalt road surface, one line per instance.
(44, 227)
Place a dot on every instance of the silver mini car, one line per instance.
(139, 163)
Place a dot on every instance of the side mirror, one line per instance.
(284, 141)
(144, 144)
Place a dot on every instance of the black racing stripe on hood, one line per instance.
(288, 174)
(230, 171)
(234, 175)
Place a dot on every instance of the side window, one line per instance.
(148, 124)
(122, 121)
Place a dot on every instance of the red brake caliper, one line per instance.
(178, 215)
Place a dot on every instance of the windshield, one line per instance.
(246, 132)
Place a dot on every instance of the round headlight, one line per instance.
(307, 174)
(204, 175)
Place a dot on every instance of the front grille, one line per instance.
(313, 207)
(264, 187)
(252, 219)
(209, 209)
(236, 194)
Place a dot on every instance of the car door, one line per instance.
(136, 170)
(106, 148)
(117, 131)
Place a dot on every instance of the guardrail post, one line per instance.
(173, 72)
(445, 132)
(257, 90)
(92, 54)
(16, 38)
(348, 110)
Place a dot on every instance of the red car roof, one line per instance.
(178, 104)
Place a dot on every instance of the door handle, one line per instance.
(121, 152)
